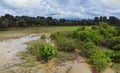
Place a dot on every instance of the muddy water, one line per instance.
(10, 48)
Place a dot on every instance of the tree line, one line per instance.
(8, 20)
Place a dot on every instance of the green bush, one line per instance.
(95, 28)
(88, 35)
(81, 28)
(57, 35)
(47, 51)
(117, 47)
(66, 44)
(103, 25)
(106, 30)
(118, 31)
(42, 50)
(99, 61)
(114, 43)
(87, 48)
(114, 55)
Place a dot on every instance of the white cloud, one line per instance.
(61, 8)
(22, 3)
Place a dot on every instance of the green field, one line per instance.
(19, 32)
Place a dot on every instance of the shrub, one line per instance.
(99, 60)
(117, 47)
(88, 45)
(114, 55)
(57, 35)
(66, 44)
(76, 34)
(47, 51)
(92, 35)
(103, 25)
(81, 28)
(87, 48)
(107, 31)
(94, 28)
(118, 31)
(42, 50)
(114, 43)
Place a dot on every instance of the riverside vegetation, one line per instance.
(100, 45)
(97, 40)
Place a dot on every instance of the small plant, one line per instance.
(42, 50)
(47, 51)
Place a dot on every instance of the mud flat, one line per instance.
(10, 48)
(76, 66)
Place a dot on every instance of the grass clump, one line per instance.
(66, 44)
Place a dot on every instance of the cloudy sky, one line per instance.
(61, 8)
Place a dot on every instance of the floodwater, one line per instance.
(10, 48)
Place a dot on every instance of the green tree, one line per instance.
(4, 24)
(21, 23)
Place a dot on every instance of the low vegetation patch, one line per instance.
(44, 51)
(92, 43)
(99, 45)
(99, 60)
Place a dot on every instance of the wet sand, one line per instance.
(10, 48)
(77, 66)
